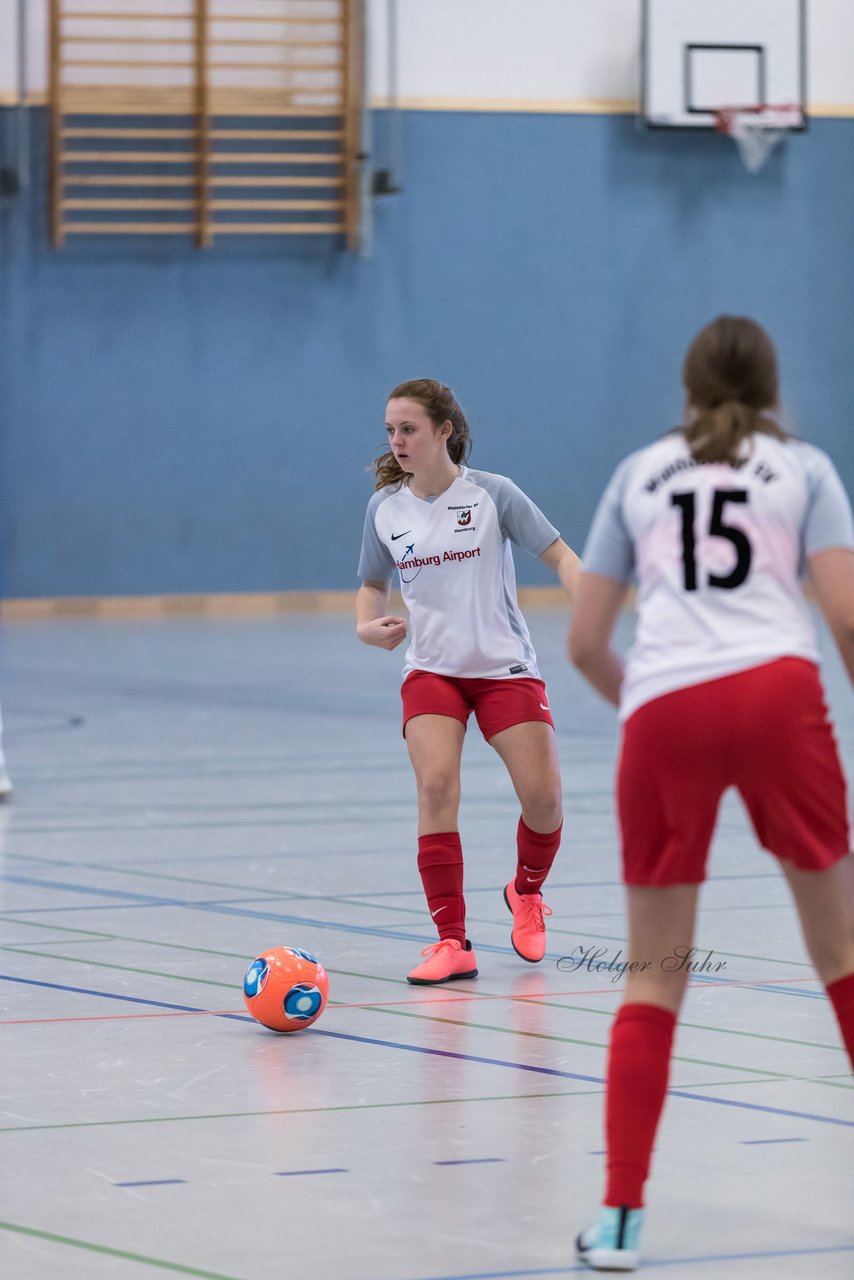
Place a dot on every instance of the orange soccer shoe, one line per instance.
(447, 961)
(529, 927)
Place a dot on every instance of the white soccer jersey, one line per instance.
(453, 555)
(718, 552)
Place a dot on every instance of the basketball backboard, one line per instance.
(701, 55)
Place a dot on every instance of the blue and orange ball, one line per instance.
(286, 989)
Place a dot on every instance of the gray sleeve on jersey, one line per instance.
(828, 521)
(609, 549)
(520, 519)
(375, 562)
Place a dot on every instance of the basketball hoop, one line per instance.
(757, 130)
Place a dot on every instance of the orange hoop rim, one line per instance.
(778, 116)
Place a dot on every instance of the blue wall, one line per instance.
(177, 420)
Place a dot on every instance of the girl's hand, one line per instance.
(385, 633)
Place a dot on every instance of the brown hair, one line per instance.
(730, 376)
(440, 405)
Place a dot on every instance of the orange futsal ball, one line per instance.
(286, 989)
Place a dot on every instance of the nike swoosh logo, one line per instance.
(544, 707)
(395, 536)
(438, 909)
(533, 879)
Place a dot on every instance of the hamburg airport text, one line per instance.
(416, 562)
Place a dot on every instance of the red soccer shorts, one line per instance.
(764, 731)
(497, 704)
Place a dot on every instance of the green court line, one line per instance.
(373, 906)
(693, 1026)
(304, 1111)
(588, 1044)
(436, 1018)
(177, 1267)
(401, 983)
(180, 946)
(242, 887)
(126, 968)
(360, 1106)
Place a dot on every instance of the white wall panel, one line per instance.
(36, 32)
(524, 52)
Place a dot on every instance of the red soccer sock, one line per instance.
(841, 995)
(638, 1067)
(536, 853)
(440, 862)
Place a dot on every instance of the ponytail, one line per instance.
(717, 435)
(730, 375)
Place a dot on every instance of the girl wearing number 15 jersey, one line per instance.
(718, 521)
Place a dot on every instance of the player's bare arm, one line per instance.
(566, 564)
(374, 625)
(599, 600)
(832, 574)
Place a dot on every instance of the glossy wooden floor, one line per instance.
(190, 792)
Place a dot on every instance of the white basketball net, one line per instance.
(758, 130)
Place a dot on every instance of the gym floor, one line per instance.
(192, 791)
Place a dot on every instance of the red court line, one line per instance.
(121, 1017)
(457, 997)
(460, 997)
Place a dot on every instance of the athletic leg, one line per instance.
(661, 930)
(530, 756)
(794, 789)
(435, 744)
(825, 903)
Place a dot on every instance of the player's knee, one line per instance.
(833, 957)
(542, 808)
(438, 788)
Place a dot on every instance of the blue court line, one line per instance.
(767, 1142)
(551, 886)
(581, 1269)
(438, 1053)
(303, 1173)
(220, 907)
(158, 1182)
(482, 1160)
(98, 906)
(572, 1075)
(105, 995)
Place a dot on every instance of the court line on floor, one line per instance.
(581, 1268)
(177, 1267)
(572, 1075)
(309, 922)
(444, 1053)
(539, 998)
(351, 899)
(303, 1111)
(384, 1008)
(615, 883)
(765, 1075)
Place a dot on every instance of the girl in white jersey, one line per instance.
(448, 530)
(718, 521)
